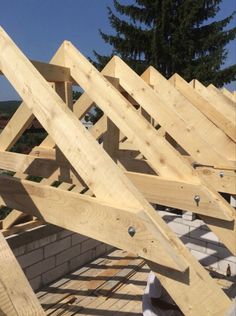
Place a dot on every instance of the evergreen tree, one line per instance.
(173, 36)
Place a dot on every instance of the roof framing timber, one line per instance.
(156, 189)
(120, 197)
(224, 111)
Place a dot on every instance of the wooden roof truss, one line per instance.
(164, 142)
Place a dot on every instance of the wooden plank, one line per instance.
(121, 276)
(225, 111)
(159, 190)
(19, 228)
(225, 144)
(76, 281)
(88, 78)
(97, 305)
(102, 277)
(15, 300)
(11, 219)
(80, 301)
(165, 111)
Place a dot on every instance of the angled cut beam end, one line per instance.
(146, 75)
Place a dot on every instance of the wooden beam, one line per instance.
(19, 228)
(222, 180)
(176, 194)
(155, 189)
(221, 140)
(16, 296)
(52, 73)
(223, 96)
(19, 122)
(225, 111)
(12, 218)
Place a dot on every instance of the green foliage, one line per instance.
(4, 211)
(7, 108)
(27, 141)
(173, 36)
(94, 114)
(76, 95)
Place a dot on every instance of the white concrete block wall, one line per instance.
(202, 243)
(48, 253)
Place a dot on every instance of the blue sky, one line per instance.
(39, 27)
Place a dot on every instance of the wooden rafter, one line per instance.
(223, 96)
(218, 146)
(208, 109)
(224, 110)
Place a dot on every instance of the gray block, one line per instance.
(30, 258)
(40, 267)
(57, 247)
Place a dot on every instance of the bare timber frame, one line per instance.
(164, 142)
